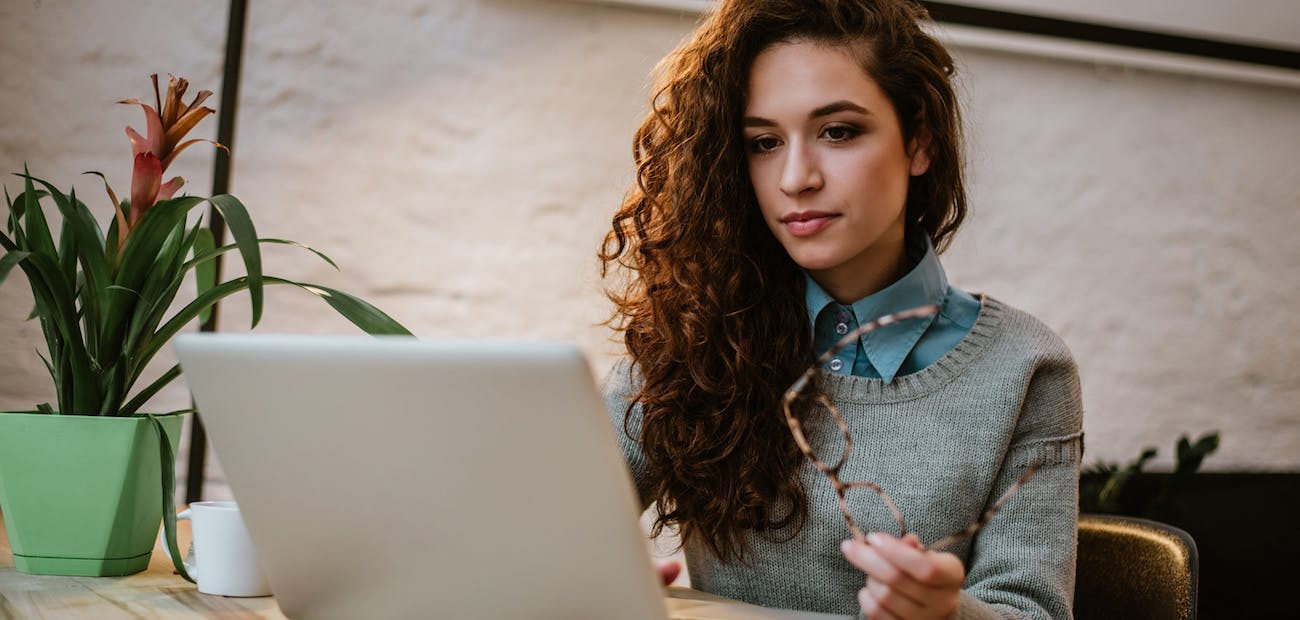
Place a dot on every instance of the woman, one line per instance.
(799, 170)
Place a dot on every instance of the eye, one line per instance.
(841, 133)
(763, 144)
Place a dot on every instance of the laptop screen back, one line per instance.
(394, 477)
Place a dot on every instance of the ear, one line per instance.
(920, 151)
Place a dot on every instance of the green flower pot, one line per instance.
(82, 495)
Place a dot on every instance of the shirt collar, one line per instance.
(887, 347)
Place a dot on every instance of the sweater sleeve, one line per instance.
(1022, 562)
(618, 388)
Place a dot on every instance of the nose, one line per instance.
(800, 172)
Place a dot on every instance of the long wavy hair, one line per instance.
(711, 306)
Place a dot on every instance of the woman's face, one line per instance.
(828, 165)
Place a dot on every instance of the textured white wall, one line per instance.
(1150, 220)
(461, 160)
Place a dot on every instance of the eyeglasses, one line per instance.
(832, 472)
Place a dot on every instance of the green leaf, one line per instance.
(108, 191)
(200, 258)
(305, 247)
(110, 247)
(114, 380)
(205, 272)
(167, 462)
(1208, 443)
(50, 367)
(1108, 498)
(16, 208)
(9, 204)
(122, 289)
(68, 386)
(57, 306)
(150, 233)
(140, 399)
(89, 240)
(8, 261)
(156, 295)
(241, 228)
(18, 205)
(13, 223)
(136, 266)
(203, 264)
(369, 318)
(1189, 456)
(40, 291)
(67, 253)
(187, 246)
(37, 229)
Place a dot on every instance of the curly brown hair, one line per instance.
(712, 310)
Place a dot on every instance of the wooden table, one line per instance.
(160, 593)
(155, 593)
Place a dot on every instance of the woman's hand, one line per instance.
(905, 582)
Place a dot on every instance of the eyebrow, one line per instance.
(842, 105)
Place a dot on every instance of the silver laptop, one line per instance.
(401, 478)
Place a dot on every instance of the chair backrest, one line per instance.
(1134, 568)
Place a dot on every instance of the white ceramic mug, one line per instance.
(229, 565)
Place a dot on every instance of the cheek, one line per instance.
(879, 176)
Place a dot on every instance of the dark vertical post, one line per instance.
(220, 185)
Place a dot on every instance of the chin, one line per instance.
(814, 261)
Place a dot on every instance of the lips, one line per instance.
(805, 223)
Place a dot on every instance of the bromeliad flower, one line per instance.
(155, 150)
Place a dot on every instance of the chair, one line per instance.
(1134, 568)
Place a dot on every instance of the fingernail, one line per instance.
(845, 546)
(875, 538)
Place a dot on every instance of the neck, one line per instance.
(868, 273)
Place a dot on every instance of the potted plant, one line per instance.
(84, 482)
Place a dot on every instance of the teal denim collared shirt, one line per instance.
(902, 348)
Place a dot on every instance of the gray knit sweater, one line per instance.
(944, 443)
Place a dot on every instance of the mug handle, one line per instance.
(191, 560)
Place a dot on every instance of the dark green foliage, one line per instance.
(1107, 488)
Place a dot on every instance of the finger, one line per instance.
(868, 559)
(668, 572)
(895, 602)
(930, 568)
(872, 608)
(913, 540)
